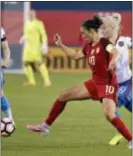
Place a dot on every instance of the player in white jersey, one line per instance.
(111, 30)
(5, 105)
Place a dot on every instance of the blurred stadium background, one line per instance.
(62, 17)
(82, 129)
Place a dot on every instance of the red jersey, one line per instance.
(98, 59)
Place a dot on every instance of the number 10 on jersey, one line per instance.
(110, 89)
(92, 60)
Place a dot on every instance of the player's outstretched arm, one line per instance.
(6, 50)
(69, 52)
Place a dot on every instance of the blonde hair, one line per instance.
(113, 21)
(117, 17)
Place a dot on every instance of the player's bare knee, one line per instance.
(109, 109)
(109, 114)
(63, 96)
(106, 113)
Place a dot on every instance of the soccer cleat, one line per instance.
(130, 145)
(39, 129)
(48, 84)
(116, 140)
(29, 84)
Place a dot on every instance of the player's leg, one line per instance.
(118, 137)
(128, 96)
(124, 99)
(5, 105)
(78, 92)
(28, 70)
(109, 111)
(129, 106)
(29, 73)
(125, 95)
(44, 72)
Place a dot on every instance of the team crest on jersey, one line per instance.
(97, 50)
(121, 43)
(92, 51)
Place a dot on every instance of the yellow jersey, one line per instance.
(35, 35)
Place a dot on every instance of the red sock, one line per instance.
(119, 125)
(56, 110)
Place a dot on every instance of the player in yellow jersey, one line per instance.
(35, 45)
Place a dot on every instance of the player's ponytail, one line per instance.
(95, 23)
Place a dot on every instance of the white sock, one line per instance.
(8, 113)
(44, 125)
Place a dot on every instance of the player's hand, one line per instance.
(112, 66)
(21, 41)
(44, 48)
(57, 40)
(6, 63)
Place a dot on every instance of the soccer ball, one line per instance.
(7, 128)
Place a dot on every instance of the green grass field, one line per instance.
(80, 131)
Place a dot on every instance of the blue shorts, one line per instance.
(1, 78)
(125, 95)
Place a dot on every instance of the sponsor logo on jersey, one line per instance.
(121, 43)
(97, 50)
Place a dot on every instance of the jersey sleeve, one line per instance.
(3, 35)
(108, 46)
(129, 42)
(42, 31)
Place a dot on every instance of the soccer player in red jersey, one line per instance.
(101, 56)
